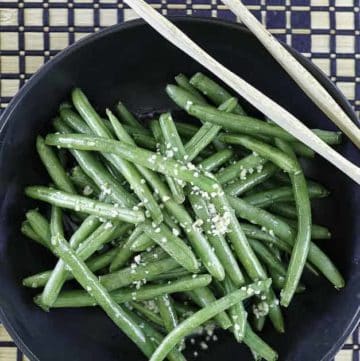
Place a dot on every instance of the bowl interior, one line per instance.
(131, 62)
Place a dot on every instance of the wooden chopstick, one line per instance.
(267, 106)
(307, 82)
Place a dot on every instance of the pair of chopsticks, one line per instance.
(259, 100)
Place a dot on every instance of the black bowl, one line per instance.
(133, 63)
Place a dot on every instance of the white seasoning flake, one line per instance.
(175, 232)
(157, 230)
(165, 198)
(87, 190)
(203, 345)
(137, 258)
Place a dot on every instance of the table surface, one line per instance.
(32, 31)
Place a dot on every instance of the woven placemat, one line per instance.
(32, 31)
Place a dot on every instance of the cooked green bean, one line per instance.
(156, 337)
(265, 219)
(212, 90)
(184, 83)
(267, 257)
(173, 245)
(221, 247)
(94, 169)
(265, 150)
(28, 231)
(126, 116)
(137, 272)
(145, 311)
(175, 188)
(40, 226)
(84, 183)
(317, 231)
(213, 162)
(284, 209)
(167, 312)
(237, 312)
(247, 182)
(58, 276)
(127, 169)
(205, 314)
(54, 167)
(170, 145)
(240, 167)
(207, 133)
(83, 204)
(197, 240)
(259, 322)
(265, 198)
(90, 282)
(142, 243)
(124, 252)
(301, 247)
(202, 297)
(181, 96)
(257, 345)
(79, 298)
(278, 282)
(95, 263)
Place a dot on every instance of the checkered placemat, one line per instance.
(32, 31)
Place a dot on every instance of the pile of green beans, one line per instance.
(175, 225)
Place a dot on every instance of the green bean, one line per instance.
(197, 240)
(175, 187)
(174, 274)
(173, 245)
(257, 345)
(171, 222)
(317, 231)
(200, 317)
(181, 96)
(155, 254)
(40, 226)
(156, 338)
(94, 169)
(221, 247)
(263, 218)
(172, 168)
(83, 204)
(212, 90)
(186, 130)
(278, 281)
(145, 311)
(275, 313)
(90, 282)
(127, 169)
(208, 257)
(184, 83)
(243, 185)
(202, 297)
(245, 165)
(266, 151)
(58, 276)
(133, 154)
(213, 162)
(259, 323)
(94, 263)
(74, 121)
(126, 116)
(85, 184)
(302, 242)
(265, 198)
(142, 243)
(136, 272)
(54, 167)
(247, 125)
(79, 298)
(267, 257)
(167, 312)
(124, 251)
(237, 312)
(302, 150)
(207, 133)
(28, 231)
(284, 209)
(174, 148)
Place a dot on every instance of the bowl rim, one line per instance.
(26, 88)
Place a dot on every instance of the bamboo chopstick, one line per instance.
(307, 82)
(267, 106)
